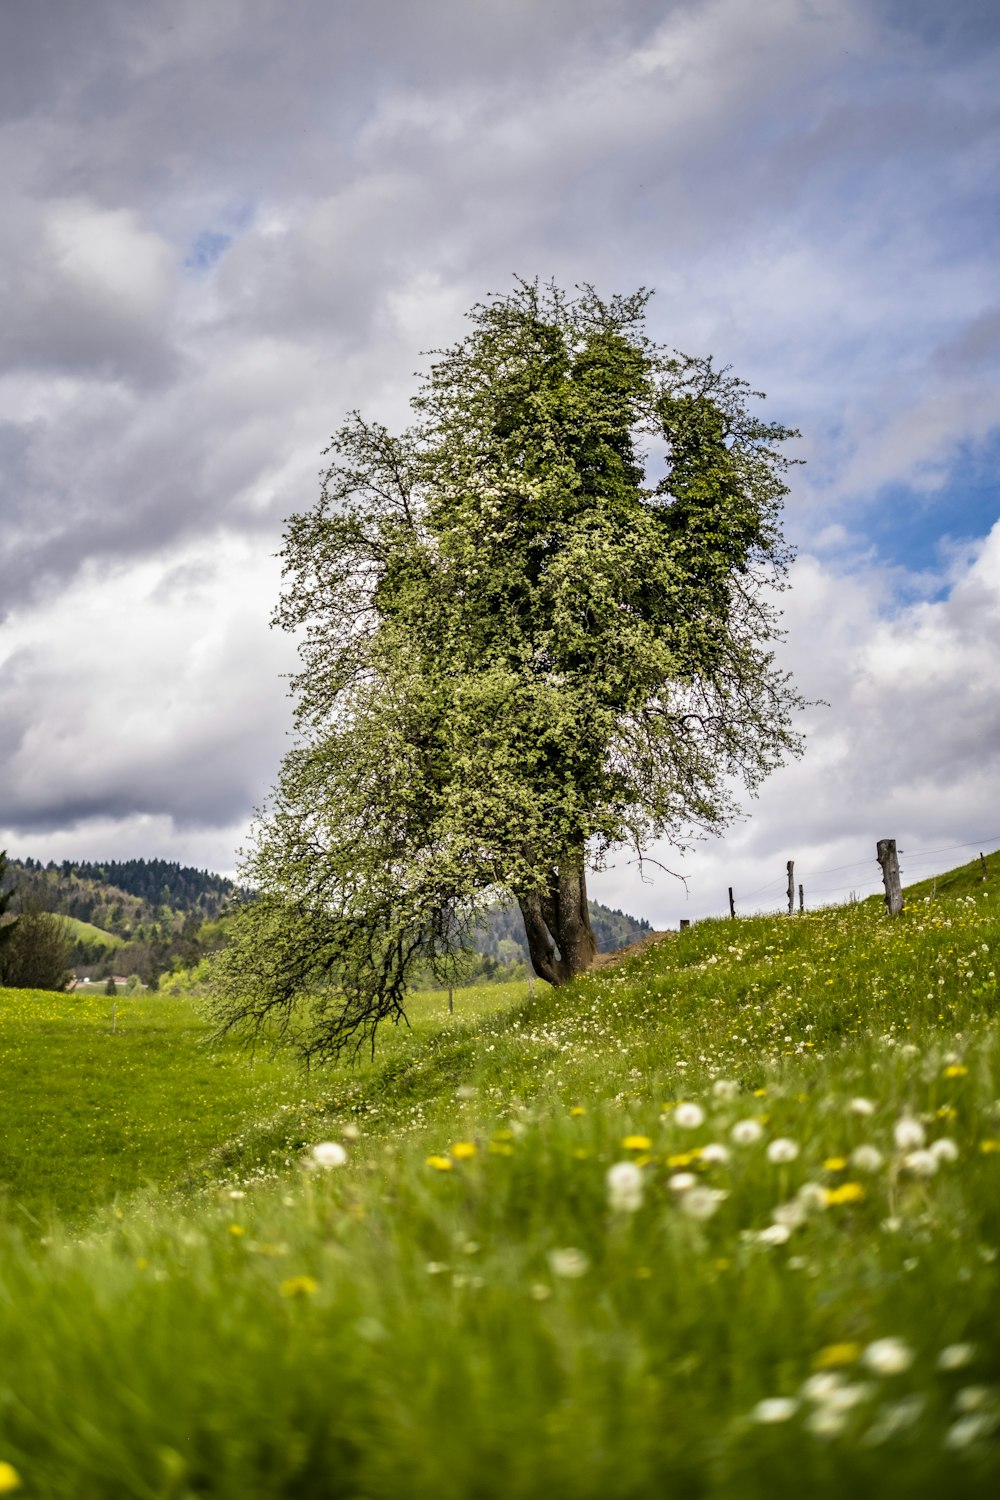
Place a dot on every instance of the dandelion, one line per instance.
(689, 1116)
(235, 1230)
(847, 1192)
(440, 1163)
(774, 1409)
(746, 1132)
(970, 1429)
(715, 1154)
(327, 1154)
(888, 1356)
(701, 1202)
(955, 1070)
(775, 1234)
(835, 1164)
(812, 1195)
(569, 1263)
(791, 1214)
(236, 1194)
(577, 1110)
(956, 1356)
(681, 1182)
(989, 1146)
(637, 1143)
(834, 1355)
(725, 1089)
(944, 1149)
(624, 1186)
(463, 1150)
(350, 1132)
(10, 1479)
(921, 1163)
(861, 1107)
(908, 1133)
(298, 1286)
(826, 1420)
(866, 1158)
(782, 1150)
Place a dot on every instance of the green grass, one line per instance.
(403, 1325)
(86, 932)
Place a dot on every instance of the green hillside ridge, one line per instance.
(86, 933)
(789, 1284)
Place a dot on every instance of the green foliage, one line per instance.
(517, 654)
(7, 919)
(36, 953)
(407, 1323)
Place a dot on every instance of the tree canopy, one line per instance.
(535, 627)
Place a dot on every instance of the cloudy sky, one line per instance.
(227, 223)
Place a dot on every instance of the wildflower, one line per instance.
(775, 1234)
(681, 1182)
(236, 1230)
(327, 1154)
(782, 1150)
(866, 1158)
(463, 1150)
(791, 1214)
(956, 1356)
(955, 1070)
(568, 1263)
(908, 1133)
(701, 1202)
(812, 1195)
(835, 1164)
(988, 1147)
(909, 1049)
(834, 1355)
(539, 1291)
(861, 1107)
(893, 1418)
(10, 1479)
(440, 1163)
(637, 1143)
(715, 1153)
(944, 1149)
(847, 1192)
(577, 1110)
(921, 1163)
(725, 1088)
(350, 1132)
(889, 1356)
(826, 1420)
(298, 1286)
(689, 1116)
(436, 1267)
(947, 1112)
(236, 1194)
(774, 1409)
(969, 1429)
(745, 1132)
(624, 1185)
(759, 1093)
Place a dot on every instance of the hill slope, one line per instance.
(721, 1221)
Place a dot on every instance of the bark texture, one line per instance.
(557, 923)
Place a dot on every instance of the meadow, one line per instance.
(721, 1221)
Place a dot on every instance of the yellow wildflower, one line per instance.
(236, 1229)
(581, 1154)
(10, 1479)
(759, 1093)
(578, 1109)
(848, 1192)
(142, 1264)
(463, 1150)
(989, 1146)
(955, 1070)
(947, 1112)
(836, 1354)
(835, 1164)
(440, 1163)
(501, 1148)
(637, 1143)
(682, 1159)
(298, 1286)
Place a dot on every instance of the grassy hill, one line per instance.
(721, 1221)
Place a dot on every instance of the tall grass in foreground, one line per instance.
(721, 1222)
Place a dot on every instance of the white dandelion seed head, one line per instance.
(624, 1185)
(921, 1163)
(820, 1387)
(351, 1133)
(956, 1356)
(866, 1158)
(327, 1154)
(888, 1356)
(908, 1133)
(775, 1234)
(715, 1153)
(569, 1263)
(782, 1150)
(725, 1088)
(775, 1409)
(969, 1430)
(812, 1196)
(944, 1149)
(689, 1116)
(701, 1202)
(826, 1421)
(746, 1132)
(861, 1107)
(682, 1182)
(792, 1215)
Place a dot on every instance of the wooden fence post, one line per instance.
(982, 861)
(732, 904)
(887, 858)
(802, 902)
(791, 886)
(685, 923)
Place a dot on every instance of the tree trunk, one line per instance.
(557, 923)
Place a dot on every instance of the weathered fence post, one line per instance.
(889, 861)
(982, 861)
(802, 901)
(732, 904)
(791, 886)
(451, 1002)
(685, 923)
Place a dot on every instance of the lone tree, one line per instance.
(534, 627)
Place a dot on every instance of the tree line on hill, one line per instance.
(156, 918)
